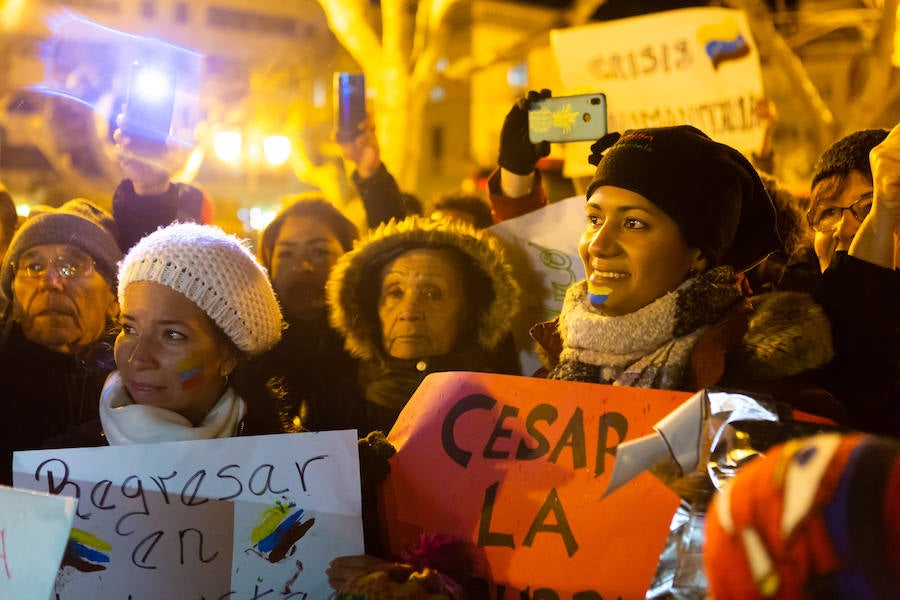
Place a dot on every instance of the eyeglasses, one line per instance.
(68, 267)
(825, 218)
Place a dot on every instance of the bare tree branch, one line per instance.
(347, 20)
(581, 11)
(879, 68)
(781, 54)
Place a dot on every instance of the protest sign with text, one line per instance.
(238, 518)
(517, 468)
(695, 66)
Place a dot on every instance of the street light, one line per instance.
(276, 149)
(227, 145)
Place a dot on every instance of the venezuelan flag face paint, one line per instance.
(597, 294)
(190, 372)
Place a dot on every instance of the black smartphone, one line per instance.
(349, 105)
(149, 106)
(568, 118)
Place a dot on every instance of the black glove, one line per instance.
(601, 146)
(517, 154)
(374, 454)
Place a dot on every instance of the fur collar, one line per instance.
(787, 334)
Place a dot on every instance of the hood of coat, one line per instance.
(353, 285)
(787, 334)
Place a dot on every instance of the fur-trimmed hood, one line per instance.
(354, 284)
(787, 334)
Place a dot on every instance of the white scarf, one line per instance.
(125, 422)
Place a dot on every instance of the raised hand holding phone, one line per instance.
(518, 154)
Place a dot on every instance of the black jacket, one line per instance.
(49, 399)
(862, 302)
(314, 378)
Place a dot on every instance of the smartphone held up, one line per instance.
(568, 118)
(149, 106)
(349, 105)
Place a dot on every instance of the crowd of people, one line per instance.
(150, 324)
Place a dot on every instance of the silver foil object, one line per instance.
(694, 450)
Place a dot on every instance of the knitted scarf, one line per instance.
(649, 347)
(125, 422)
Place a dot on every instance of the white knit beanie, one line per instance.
(217, 272)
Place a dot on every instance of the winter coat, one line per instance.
(137, 215)
(381, 197)
(316, 379)
(50, 399)
(774, 343)
(861, 301)
(354, 287)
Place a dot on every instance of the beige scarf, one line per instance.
(649, 347)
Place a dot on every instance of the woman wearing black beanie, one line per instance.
(673, 219)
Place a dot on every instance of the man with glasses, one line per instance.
(854, 212)
(58, 278)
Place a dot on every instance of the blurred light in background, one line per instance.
(11, 13)
(517, 76)
(256, 218)
(23, 210)
(276, 149)
(227, 145)
(319, 93)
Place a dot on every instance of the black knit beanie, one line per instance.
(850, 153)
(79, 223)
(709, 189)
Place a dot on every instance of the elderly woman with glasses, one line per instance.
(58, 277)
(854, 212)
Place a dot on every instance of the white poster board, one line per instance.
(238, 518)
(696, 66)
(34, 529)
(542, 247)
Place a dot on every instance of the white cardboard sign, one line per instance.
(238, 519)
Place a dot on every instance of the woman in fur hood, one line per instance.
(672, 219)
(418, 296)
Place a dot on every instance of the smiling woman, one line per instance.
(195, 305)
(673, 218)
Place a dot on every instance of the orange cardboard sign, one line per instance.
(518, 467)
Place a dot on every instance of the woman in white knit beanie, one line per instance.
(195, 305)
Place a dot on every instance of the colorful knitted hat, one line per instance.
(850, 153)
(217, 272)
(814, 518)
(78, 223)
(709, 189)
